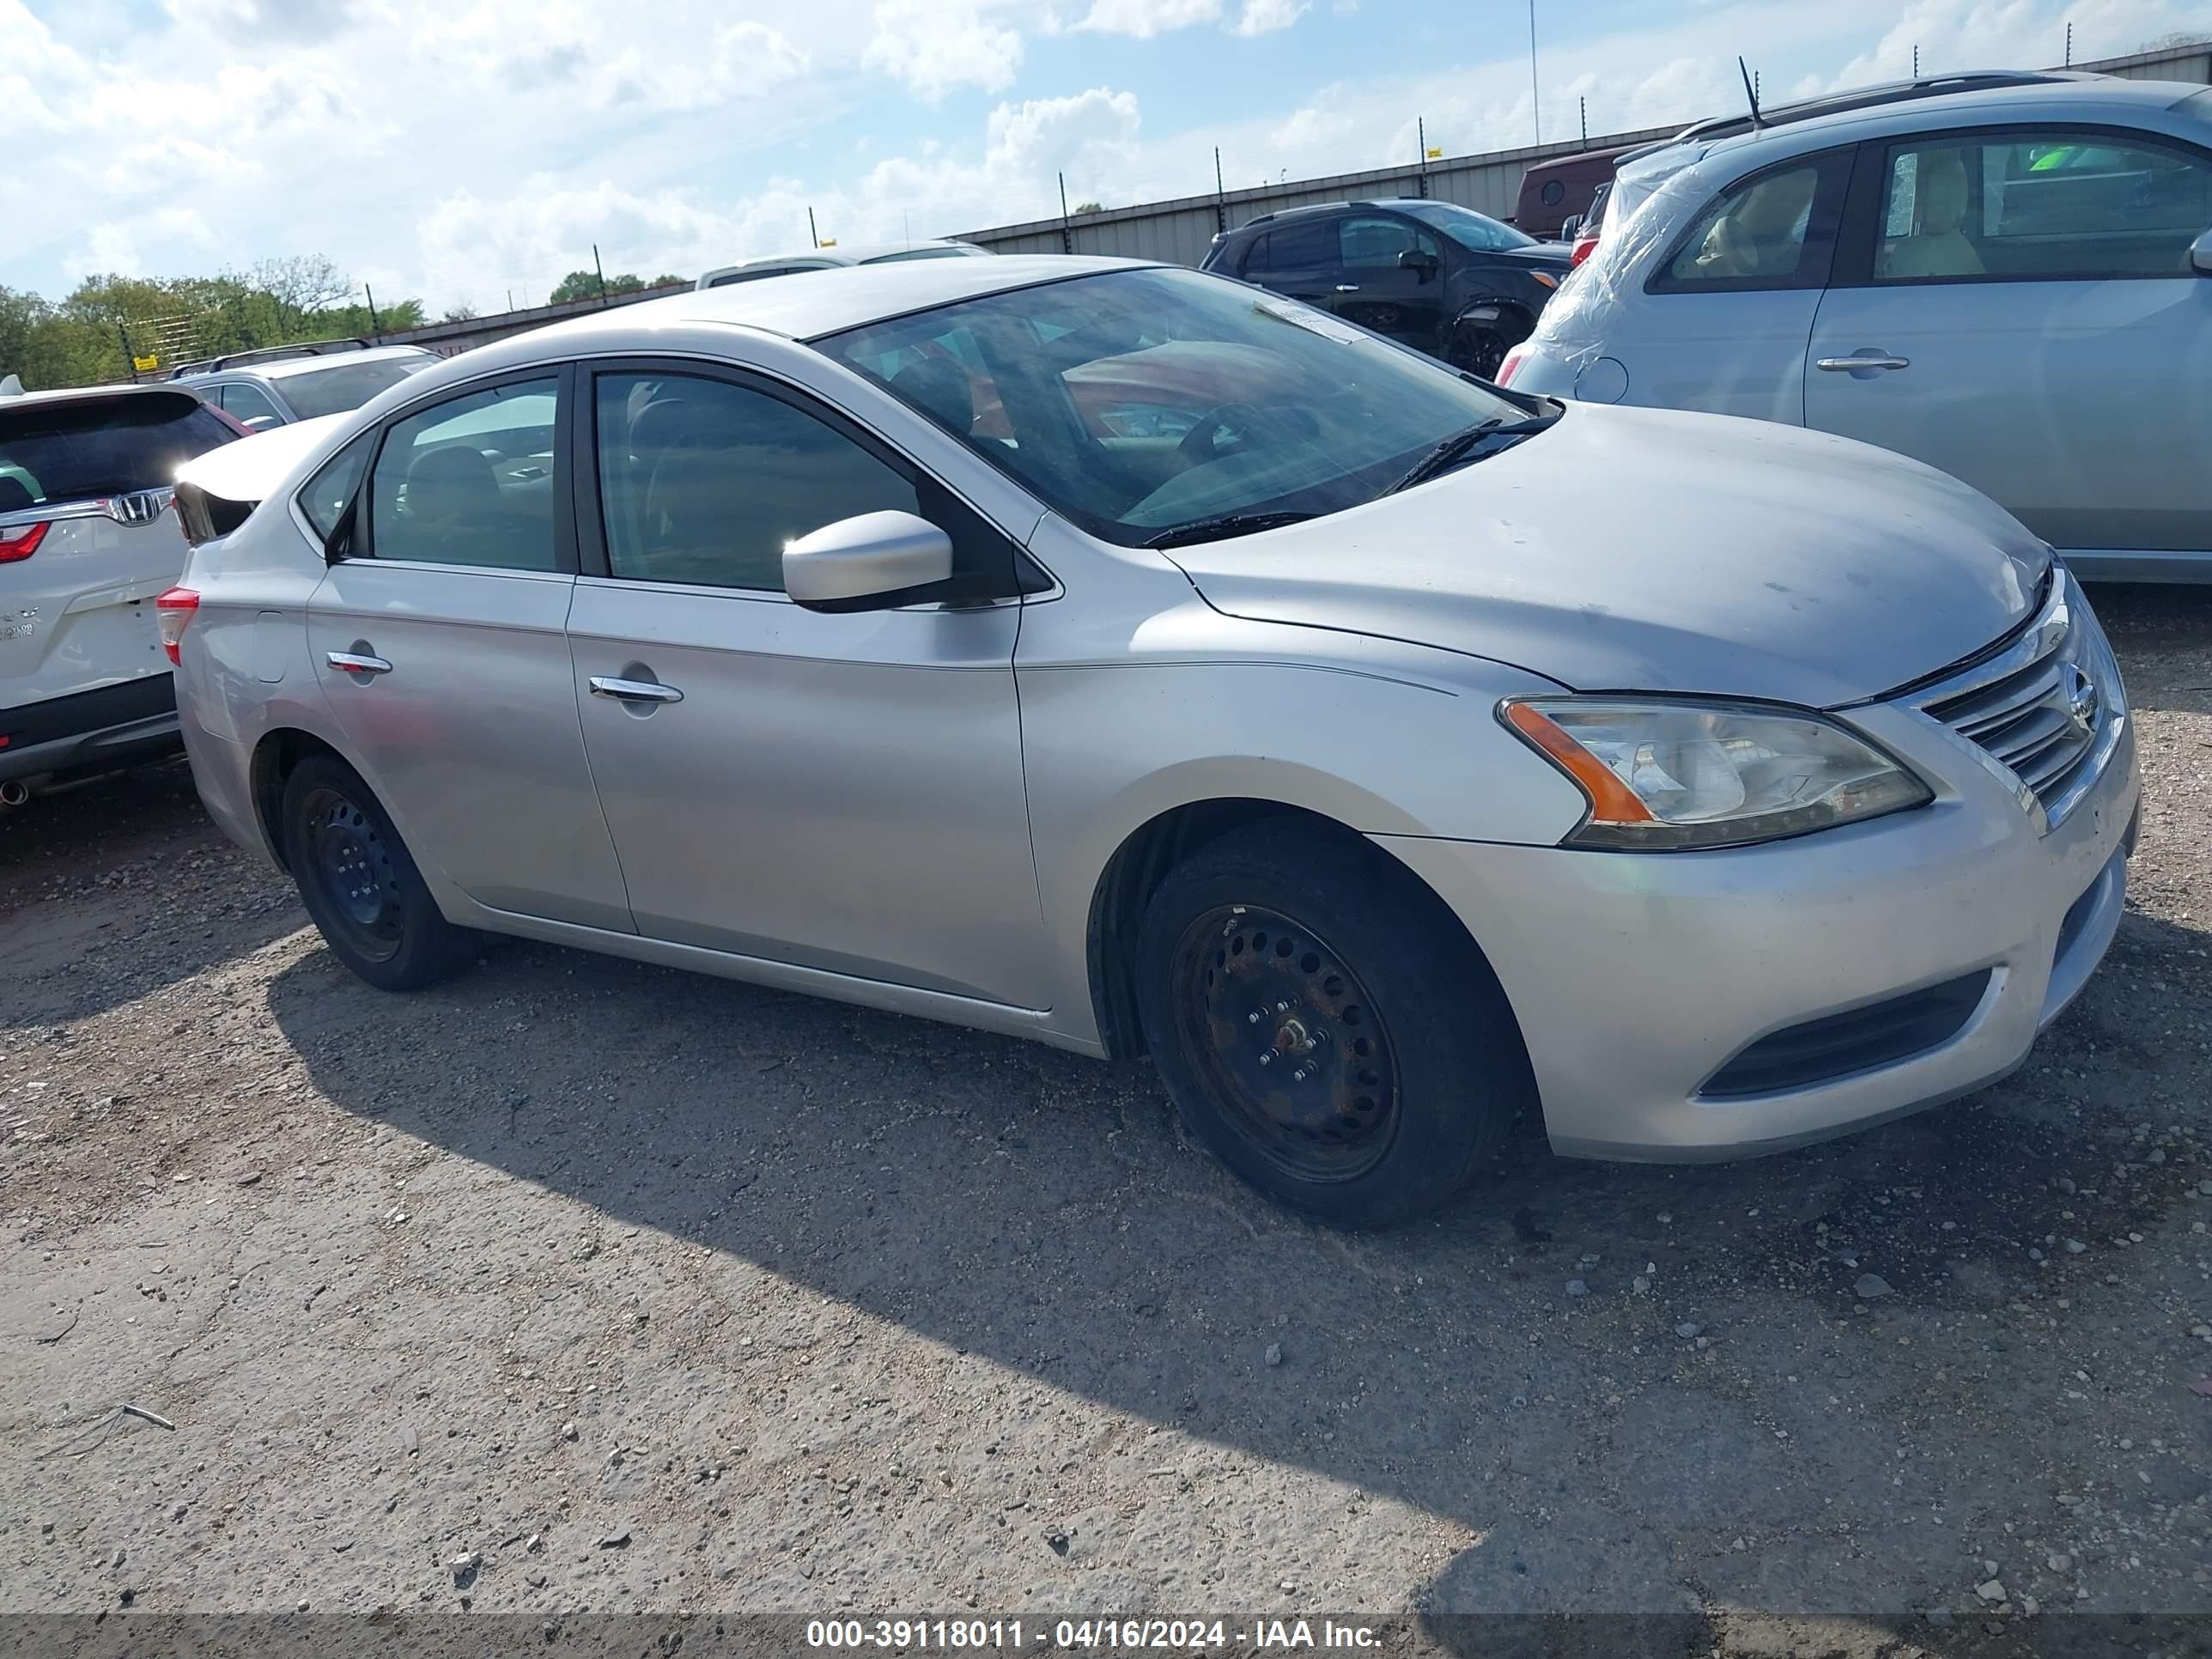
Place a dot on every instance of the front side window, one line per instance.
(2055, 206)
(704, 482)
(1774, 230)
(1139, 402)
(470, 481)
(249, 406)
(1376, 240)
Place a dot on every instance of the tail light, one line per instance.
(1511, 365)
(20, 541)
(1584, 247)
(176, 608)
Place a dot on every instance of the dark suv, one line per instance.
(1432, 274)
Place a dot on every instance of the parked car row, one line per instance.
(1107, 655)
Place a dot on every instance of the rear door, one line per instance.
(1297, 257)
(2017, 307)
(438, 637)
(1723, 322)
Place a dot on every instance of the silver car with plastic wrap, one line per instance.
(1117, 656)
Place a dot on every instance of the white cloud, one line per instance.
(936, 45)
(1143, 19)
(1266, 16)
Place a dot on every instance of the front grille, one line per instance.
(1839, 1045)
(2046, 706)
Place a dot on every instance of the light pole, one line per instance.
(1535, 102)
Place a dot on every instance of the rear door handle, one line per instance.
(606, 685)
(1348, 288)
(1845, 365)
(354, 663)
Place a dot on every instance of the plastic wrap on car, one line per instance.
(1580, 318)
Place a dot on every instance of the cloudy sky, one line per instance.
(462, 150)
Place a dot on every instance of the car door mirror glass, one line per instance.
(2200, 255)
(1417, 260)
(873, 561)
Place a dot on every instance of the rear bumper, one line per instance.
(90, 731)
(1643, 983)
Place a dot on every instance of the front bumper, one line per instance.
(1637, 978)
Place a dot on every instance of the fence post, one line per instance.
(600, 273)
(813, 235)
(1067, 230)
(1220, 196)
(375, 326)
(1421, 140)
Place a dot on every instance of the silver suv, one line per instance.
(275, 386)
(88, 540)
(1126, 658)
(2007, 276)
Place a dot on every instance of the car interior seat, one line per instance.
(1938, 247)
(454, 511)
(15, 495)
(942, 389)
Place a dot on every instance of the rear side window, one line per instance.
(470, 481)
(1775, 230)
(2054, 206)
(703, 482)
(1301, 245)
(343, 386)
(75, 452)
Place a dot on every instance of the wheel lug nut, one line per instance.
(1255, 1017)
(1282, 1007)
(1298, 1076)
(1266, 1056)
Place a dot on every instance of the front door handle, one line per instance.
(606, 685)
(1848, 365)
(1348, 288)
(354, 662)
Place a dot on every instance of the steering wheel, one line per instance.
(1197, 444)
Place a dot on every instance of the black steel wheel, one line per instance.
(1290, 1040)
(361, 884)
(1324, 1025)
(1481, 352)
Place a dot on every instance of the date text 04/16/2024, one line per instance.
(1085, 1635)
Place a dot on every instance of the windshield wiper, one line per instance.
(1223, 527)
(1461, 445)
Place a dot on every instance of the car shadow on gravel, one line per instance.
(115, 887)
(1584, 1364)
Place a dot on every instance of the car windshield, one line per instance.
(73, 452)
(332, 390)
(1467, 227)
(1137, 402)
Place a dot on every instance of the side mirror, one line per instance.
(2200, 254)
(874, 561)
(1569, 225)
(1420, 259)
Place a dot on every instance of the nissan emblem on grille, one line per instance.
(2083, 704)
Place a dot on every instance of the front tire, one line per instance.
(1326, 1028)
(359, 883)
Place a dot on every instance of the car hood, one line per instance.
(1546, 255)
(1655, 551)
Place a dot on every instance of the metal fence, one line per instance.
(1178, 231)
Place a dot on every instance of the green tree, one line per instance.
(584, 285)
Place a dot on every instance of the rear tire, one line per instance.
(359, 883)
(1393, 1062)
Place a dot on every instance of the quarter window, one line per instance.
(326, 496)
(704, 482)
(470, 481)
(2054, 206)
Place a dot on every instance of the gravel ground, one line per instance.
(581, 1284)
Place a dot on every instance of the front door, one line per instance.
(438, 639)
(837, 792)
(2021, 312)
(1374, 290)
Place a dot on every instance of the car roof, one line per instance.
(806, 304)
(94, 393)
(1928, 105)
(290, 366)
(852, 254)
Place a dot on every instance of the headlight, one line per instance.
(1664, 775)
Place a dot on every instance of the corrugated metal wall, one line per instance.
(1177, 232)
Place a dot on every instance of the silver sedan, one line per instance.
(1125, 658)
